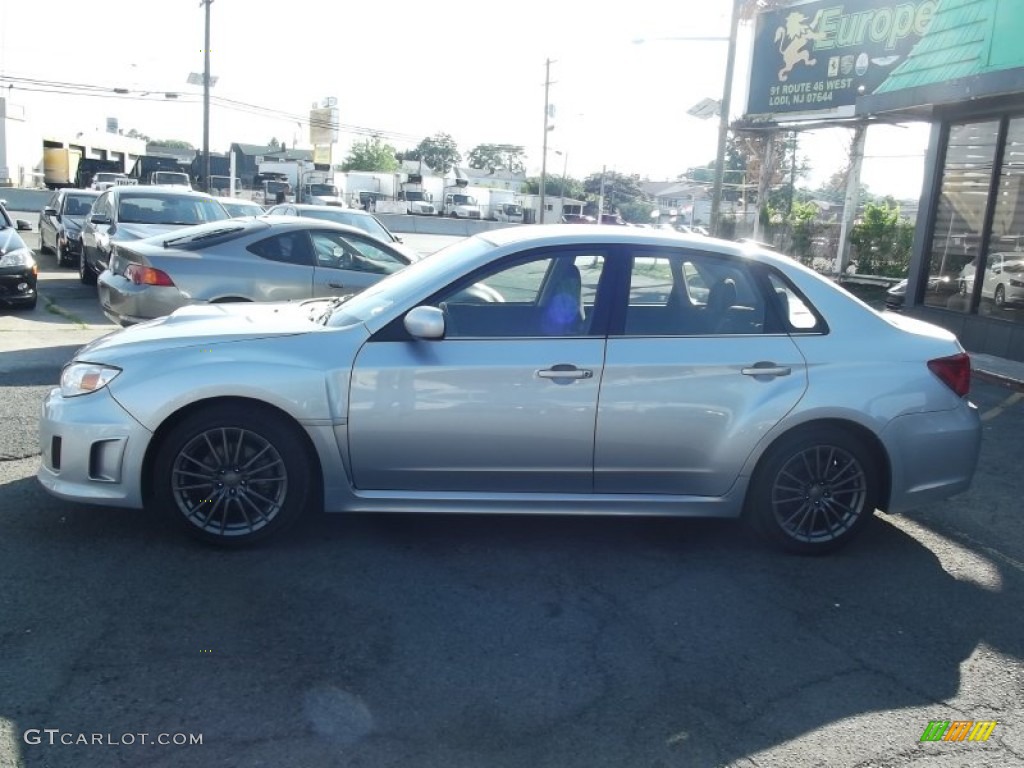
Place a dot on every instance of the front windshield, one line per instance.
(78, 205)
(108, 176)
(368, 224)
(277, 186)
(325, 190)
(168, 209)
(168, 177)
(463, 200)
(413, 283)
(414, 196)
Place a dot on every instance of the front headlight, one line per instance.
(19, 257)
(73, 234)
(83, 378)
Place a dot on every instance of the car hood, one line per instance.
(141, 231)
(73, 223)
(10, 240)
(203, 325)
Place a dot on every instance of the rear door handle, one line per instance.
(563, 371)
(766, 369)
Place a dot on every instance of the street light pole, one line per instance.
(723, 124)
(206, 99)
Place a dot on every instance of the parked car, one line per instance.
(60, 224)
(269, 258)
(236, 206)
(1003, 281)
(351, 217)
(896, 296)
(104, 180)
(599, 384)
(18, 269)
(123, 214)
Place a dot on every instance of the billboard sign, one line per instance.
(323, 125)
(815, 59)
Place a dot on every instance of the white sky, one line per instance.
(411, 69)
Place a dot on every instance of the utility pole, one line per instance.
(544, 153)
(723, 123)
(206, 99)
(852, 197)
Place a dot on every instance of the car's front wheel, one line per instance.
(1000, 296)
(814, 490)
(85, 273)
(232, 474)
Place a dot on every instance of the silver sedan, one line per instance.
(266, 258)
(623, 371)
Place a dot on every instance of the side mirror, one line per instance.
(398, 239)
(425, 323)
(50, 212)
(99, 218)
(23, 226)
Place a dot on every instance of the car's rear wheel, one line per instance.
(233, 474)
(62, 255)
(814, 490)
(1000, 297)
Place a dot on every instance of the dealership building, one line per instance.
(958, 65)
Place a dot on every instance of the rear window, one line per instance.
(168, 209)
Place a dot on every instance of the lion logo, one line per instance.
(793, 39)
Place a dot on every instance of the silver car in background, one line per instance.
(350, 217)
(622, 371)
(266, 258)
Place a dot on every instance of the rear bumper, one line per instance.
(933, 455)
(126, 303)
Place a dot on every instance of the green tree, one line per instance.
(882, 241)
(274, 143)
(171, 144)
(557, 187)
(637, 211)
(495, 157)
(134, 134)
(619, 189)
(371, 155)
(439, 152)
(801, 223)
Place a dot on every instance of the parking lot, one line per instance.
(495, 641)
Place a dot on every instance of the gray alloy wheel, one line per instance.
(232, 475)
(814, 491)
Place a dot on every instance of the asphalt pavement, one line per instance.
(452, 641)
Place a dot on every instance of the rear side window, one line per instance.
(289, 248)
(795, 312)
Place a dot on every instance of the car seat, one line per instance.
(562, 312)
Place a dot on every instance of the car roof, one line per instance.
(571, 234)
(237, 200)
(83, 192)
(156, 189)
(305, 207)
(301, 222)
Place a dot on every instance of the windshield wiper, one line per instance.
(332, 305)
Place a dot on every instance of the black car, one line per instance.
(60, 224)
(18, 270)
(135, 212)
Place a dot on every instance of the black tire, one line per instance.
(232, 475)
(85, 273)
(1000, 296)
(813, 491)
(42, 240)
(62, 256)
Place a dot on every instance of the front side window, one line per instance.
(336, 250)
(546, 295)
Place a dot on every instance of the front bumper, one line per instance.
(17, 285)
(92, 450)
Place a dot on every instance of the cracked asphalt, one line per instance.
(498, 641)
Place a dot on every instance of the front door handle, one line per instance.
(564, 371)
(335, 285)
(765, 368)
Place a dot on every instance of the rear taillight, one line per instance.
(141, 275)
(955, 372)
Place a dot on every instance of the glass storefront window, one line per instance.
(960, 215)
(1002, 278)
